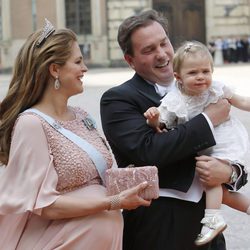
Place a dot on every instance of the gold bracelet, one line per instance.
(115, 202)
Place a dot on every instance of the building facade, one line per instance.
(96, 23)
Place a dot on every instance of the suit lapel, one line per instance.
(146, 89)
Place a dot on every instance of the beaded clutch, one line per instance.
(120, 179)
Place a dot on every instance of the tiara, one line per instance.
(48, 29)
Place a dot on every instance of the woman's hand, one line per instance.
(130, 198)
(80, 203)
(212, 172)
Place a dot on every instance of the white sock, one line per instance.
(211, 212)
(248, 210)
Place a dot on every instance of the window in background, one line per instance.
(78, 16)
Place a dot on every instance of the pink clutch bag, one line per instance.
(120, 179)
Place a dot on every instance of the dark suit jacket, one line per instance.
(134, 142)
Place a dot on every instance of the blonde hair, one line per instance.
(187, 49)
(30, 79)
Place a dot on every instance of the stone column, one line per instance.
(60, 14)
(118, 10)
(6, 27)
(209, 7)
(6, 35)
(98, 39)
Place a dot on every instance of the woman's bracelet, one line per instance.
(115, 202)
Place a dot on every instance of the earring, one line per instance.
(57, 83)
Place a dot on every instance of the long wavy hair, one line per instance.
(30, 78)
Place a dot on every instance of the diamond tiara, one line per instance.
(48, 29)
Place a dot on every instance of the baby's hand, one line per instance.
(152, 114)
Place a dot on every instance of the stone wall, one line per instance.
(117, 11)
(227, 18)
(223, 18)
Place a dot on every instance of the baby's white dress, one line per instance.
(232, 142)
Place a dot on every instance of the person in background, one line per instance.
(51, 193)
(173, 220)
(232, 49)
(225, 50)
(245, 48)
(211, 47)
(239, 49)
(218, 55)
(195, 90)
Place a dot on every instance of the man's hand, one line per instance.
(218, 112)
(212, 172)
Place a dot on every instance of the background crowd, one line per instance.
(231, 49)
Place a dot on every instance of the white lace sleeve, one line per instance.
(228, 92)
(167, 117)
(172, 109)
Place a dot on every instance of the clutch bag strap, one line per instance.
(96, 157)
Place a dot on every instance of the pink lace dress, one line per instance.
(43, 164)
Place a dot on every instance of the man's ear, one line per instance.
(54, 70)
(129, 60)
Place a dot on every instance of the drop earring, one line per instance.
(57, 83)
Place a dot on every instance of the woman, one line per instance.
(51, 194)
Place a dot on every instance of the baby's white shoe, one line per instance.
(212, 226)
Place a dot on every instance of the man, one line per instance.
(172, 222)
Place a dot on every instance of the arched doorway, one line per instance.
(186, 19)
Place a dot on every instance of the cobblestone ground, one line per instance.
(97, 81)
